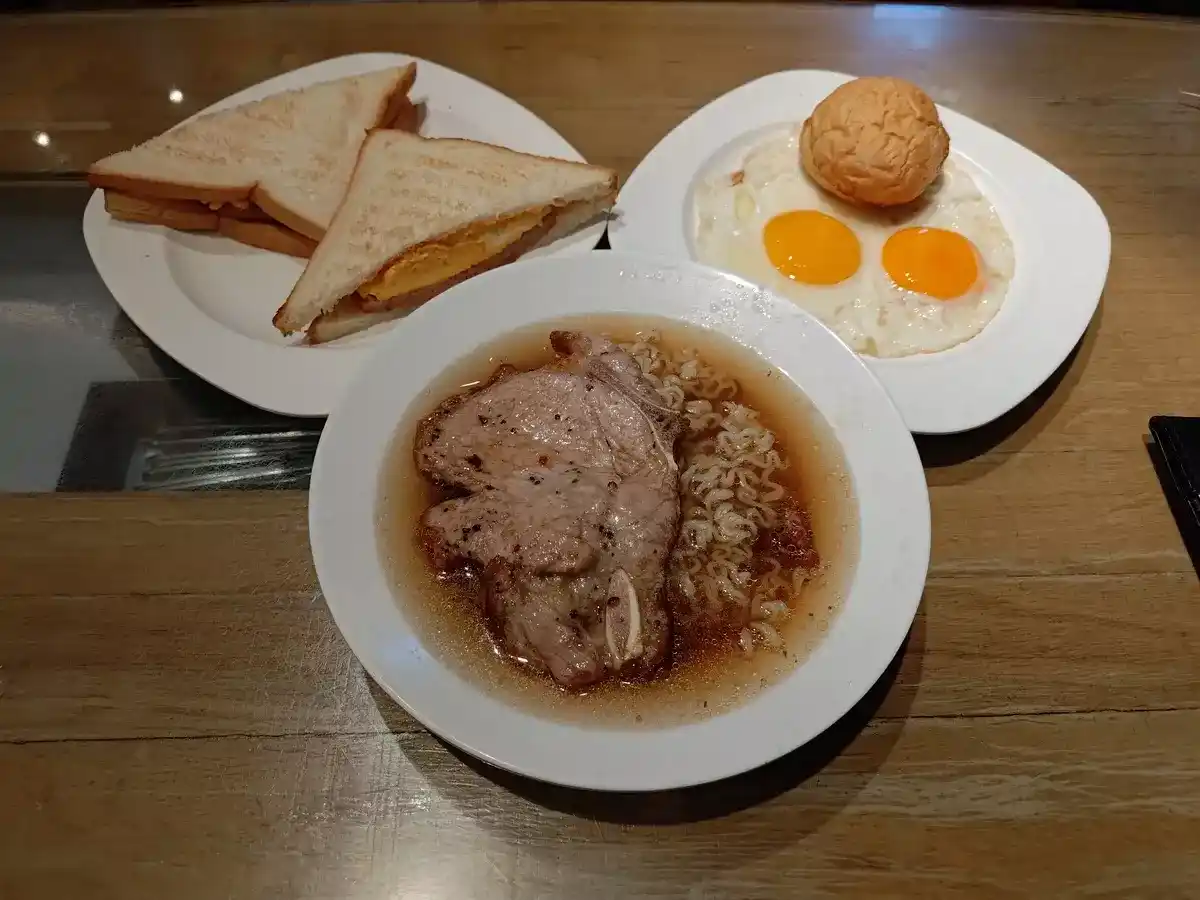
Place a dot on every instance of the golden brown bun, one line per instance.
(875, 142)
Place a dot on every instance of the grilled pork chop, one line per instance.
(570, 508)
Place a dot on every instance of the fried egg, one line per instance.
(890, 282)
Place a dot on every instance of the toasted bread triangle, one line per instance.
(351, 314)
(291, 153)
(411, 197)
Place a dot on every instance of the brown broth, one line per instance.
(445, 611)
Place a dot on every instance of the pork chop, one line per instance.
(570, 507)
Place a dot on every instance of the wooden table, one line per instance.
(179, 717)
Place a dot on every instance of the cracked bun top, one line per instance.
(875, 142)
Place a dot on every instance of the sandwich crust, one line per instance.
(406, 222)
(355, 313)
(151, 189)
(396, 110)
(326, 326)
(182, 215)
(394, 107)
(280, 213)
(266, 236)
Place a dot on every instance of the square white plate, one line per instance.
(1061, 245)
(207, 301)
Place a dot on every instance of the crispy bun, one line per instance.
(874, 142)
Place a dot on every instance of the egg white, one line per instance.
(867, 310)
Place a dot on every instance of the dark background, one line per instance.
(1177, 7)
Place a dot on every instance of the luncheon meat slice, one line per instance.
(570, 508)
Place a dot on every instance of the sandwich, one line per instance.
(270, 173)
(423, 214)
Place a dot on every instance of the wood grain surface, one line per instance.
(179, 716)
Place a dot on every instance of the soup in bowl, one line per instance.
(579, 514)
(624, 519)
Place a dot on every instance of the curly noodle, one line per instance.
(729, 497)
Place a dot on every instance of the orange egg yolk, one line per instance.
(932, 261)
(811, 247)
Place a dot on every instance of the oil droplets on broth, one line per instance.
(709, 671)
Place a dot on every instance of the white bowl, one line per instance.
(878, 606)
(207, 301)
(1060, 237)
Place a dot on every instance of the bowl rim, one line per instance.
(860, 644)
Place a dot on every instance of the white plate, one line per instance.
(888, 482)
(1061, 244)
(208, 301)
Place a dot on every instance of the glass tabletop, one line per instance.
(87, 402)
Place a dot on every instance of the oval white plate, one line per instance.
(1060, 239)
(207, 301)
(888, 482)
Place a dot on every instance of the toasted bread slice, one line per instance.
(246, 212)
(248, 225)
(291, 154)
(347, 318)
(356, 313)
(267, 236)
(422, 211)
(475, 248)
(182, 215)
(407, 116)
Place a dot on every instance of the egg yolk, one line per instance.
(811, 247)
(932, 261)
